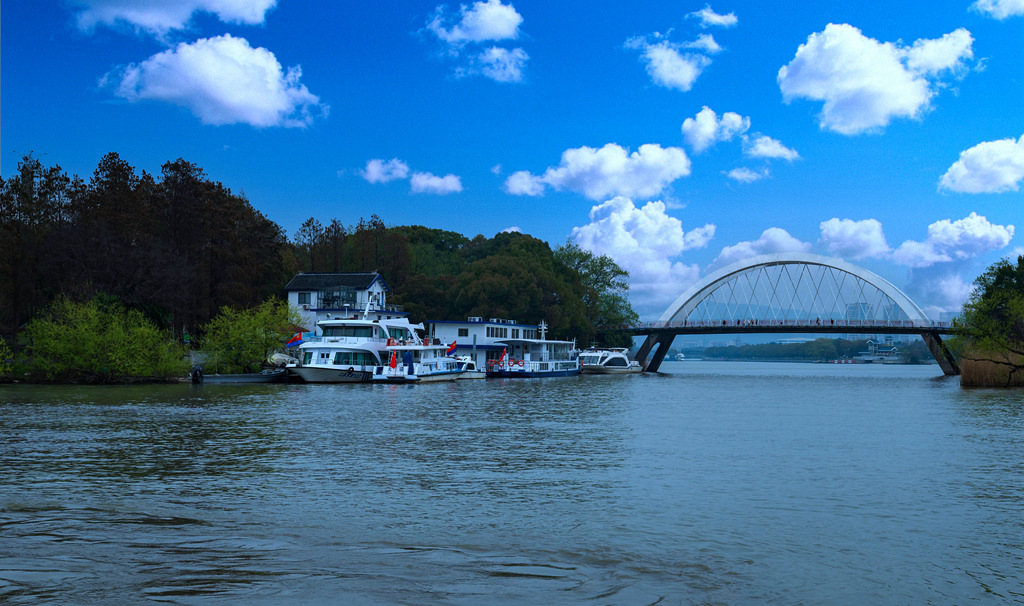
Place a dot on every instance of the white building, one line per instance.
(478, 338)
(321, 296)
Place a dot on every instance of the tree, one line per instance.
(990, 328)
(604, 290)
(240, 340)
(100, 341)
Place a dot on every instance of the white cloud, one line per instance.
(502, 64)
(609, 171)
(644, 241)
(854, 239)
(512, 230)
(763, 146)
(667, 66)
(481, 22)
(706, 43)
(709, 18)
(772, 240)
(705, 129)
(379, 171)
(426, 183)
(1000, 9)
(940, 289)
(222, 80)
(989, 167)
(747, 175)
(865, 83)
(954, 241)
(158, 17)
(485, 21)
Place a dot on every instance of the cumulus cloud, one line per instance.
(772, 240)
(747, 175)
(763, 146)
(938, 289)
(609, 171)
(709, 18)
(644, 241)
(854, 239)
(706, 128)
(1000, 9)
(426, 183)
(954, 241)
(483, 22)
(158, 17)
(221, 80)
(498, 64)
(989, 167)
(668, 65)
(379, 171)
(865, 83)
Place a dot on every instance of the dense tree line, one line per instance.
(179, 248)
(442, 275)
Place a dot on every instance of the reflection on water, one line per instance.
(710, 482)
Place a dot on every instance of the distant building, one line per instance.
(320, 296)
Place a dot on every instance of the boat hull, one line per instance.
(314, 374)
(597, 369)
(528, 374)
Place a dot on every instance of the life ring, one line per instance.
(522, 362)
(490, 362)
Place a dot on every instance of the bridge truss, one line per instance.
(793, 292)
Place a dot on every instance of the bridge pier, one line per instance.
(660, 343)
(943, 356)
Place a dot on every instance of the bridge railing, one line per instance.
(775, 324)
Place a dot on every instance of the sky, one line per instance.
(676, 137)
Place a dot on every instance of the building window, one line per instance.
(463, 332)
(515, 333)
(303, 298)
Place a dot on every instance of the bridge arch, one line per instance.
(825, 284)
(792, 292)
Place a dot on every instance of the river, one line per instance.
(708, 483)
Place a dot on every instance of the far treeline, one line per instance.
(179, 248)
(818, 350)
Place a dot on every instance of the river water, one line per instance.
(709, 483)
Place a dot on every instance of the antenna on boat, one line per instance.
(543, 326)
(366, 312)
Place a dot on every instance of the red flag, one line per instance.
(394, 360)
(501, 360)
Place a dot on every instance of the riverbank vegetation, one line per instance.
(818, 350)
(989, 333)
(180, 249)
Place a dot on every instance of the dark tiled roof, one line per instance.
(319, 281)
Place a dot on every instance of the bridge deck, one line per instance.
(710, 328)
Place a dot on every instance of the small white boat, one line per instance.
(680, 357)
(469, 369)
(608, 361)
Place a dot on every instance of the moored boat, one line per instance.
(535, 358)
(608, 361)
(419, 361)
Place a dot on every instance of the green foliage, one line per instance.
(6, 358)
(239, 340)
(816, 350)
(603, 290)
(991, 326)
(99, 342)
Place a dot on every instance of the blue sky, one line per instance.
(675, 137)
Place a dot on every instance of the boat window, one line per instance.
(307, 357)
(362, 332)
(354, 358)
(616, 362)
(401, 334)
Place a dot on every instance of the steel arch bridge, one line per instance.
(791, 293)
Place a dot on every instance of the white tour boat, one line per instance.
(535, 358)
(420, 360)
(469, 369)
(608, 361)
